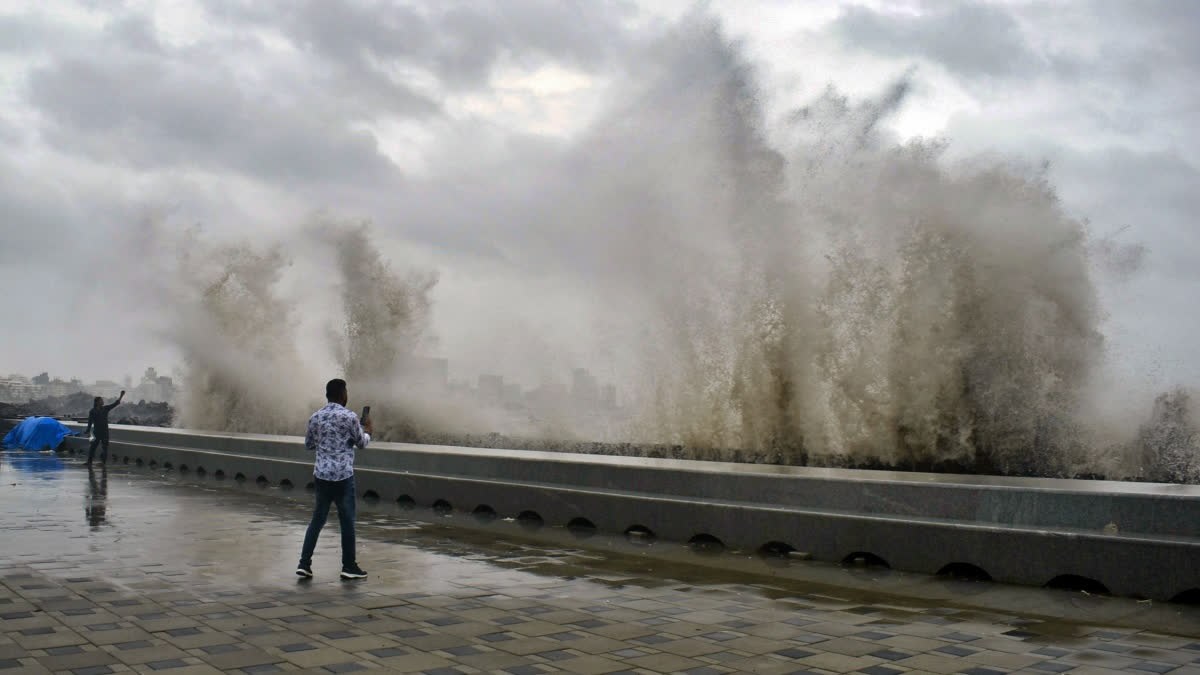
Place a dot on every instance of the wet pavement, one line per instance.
(128, 569)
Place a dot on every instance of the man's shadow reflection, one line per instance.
(95, 507)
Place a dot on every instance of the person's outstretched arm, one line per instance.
(117, 402)
(361, 435)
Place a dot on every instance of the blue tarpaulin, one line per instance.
(35, 433)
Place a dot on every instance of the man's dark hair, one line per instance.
(97, 401)
(334, 389)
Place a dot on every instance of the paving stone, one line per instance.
(881, 670)
(387, 652)
(221, 648)
(1052, 667)
(1001, 660)
(59, 638)
(1150, 667)
(92, 670)
(1052, 652)
(117, 636)
(839, 663)
(664, 662)
(361, 643)
(933, 663)
(493, 661)
(323, 656)
(345, 667)
(242, 658)
(148, 654)
(526, 646)
(414, 662)
(85, 659)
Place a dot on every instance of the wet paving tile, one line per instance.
(176, 574)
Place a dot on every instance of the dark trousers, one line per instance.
(341, 493)
(99, 440)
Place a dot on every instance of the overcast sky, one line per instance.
(249, 116)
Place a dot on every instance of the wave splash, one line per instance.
(818, 293)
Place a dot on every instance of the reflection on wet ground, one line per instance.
(166, 573)
(96, 504)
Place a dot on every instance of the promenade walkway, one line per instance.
(127, 569)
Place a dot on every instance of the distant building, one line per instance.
(41, 380)
(59, 387)
(17, 389)
(429, 372)
(106, 388)
(153, 387)
(512, 395)
(549, 396)
(608, 397)
(585, 393)
(491, 389)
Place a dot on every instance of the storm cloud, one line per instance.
(480, 139)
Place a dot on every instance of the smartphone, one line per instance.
(366, 411)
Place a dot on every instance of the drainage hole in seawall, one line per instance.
(706, 544)
(530, 520)
(963, 571)
(639, 534)
(1189, 597)
(581, 528)
(865, 559)
(1075, 582)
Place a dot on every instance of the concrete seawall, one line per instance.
(1134, 539)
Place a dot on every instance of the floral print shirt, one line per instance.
(333, 433)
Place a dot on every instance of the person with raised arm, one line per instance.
(98, 420)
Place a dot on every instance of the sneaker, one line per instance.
(304, 571)
(353, 572)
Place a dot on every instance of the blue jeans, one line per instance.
(340, 492)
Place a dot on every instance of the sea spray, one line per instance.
(384, 326)
(1168, 444)
(386, 316)
(237, 336)
(238, 312)
(814, 291)
(842, 297)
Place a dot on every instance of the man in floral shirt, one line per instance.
(333, 433)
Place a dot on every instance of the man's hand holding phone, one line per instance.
(366, 421)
